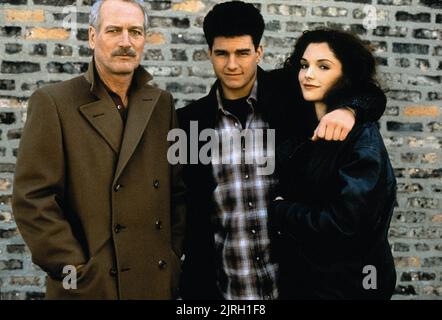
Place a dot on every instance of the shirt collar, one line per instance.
(251, 99)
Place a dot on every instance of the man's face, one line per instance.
(118, 44)
(235, 61)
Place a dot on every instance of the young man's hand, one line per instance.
(335, 125)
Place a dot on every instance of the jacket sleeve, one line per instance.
(348, 216)
(178, 199)
(38, 190)
(369, 104)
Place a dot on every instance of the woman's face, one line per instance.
(319, 72)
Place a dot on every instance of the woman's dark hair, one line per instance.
(358, 63)
(232, 19)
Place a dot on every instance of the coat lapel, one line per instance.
(102, 114)
(141, 105)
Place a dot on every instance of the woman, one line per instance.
(335, 199)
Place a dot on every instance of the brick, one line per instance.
(68, 67)
(5, 217)
(435, 126)
(166, 22)
(399, 172)
(7, 84)
(200, 55)
(11, 48)
(428, 142)
(12, 264)
(286, 10)
(192, 6)
(417, 276)
(409, 217)
(84, 51)
(14, 134)
(7, 117)
(25, 281)
(436, 218)
(383, 31)
(154, 55)
(395, 2)
(435, 4)
(432, 262)
(178, 54)
(431, 96)
(355, 1)
(425, 173)
(62, 50)
(12, 295)
(439, 18)
(391, 111)
(418, 17)
(38, 84)
(39, 50)
(155, 38)
(401, 247)
(60, 3)
(185, 88)
(329, 11)
(437, 51)
(421, 247)
(276, 42)
(422, 64)
(16, 248)
(422, 111)
(378, 46)
(82, 34)
(160, 5)
(19, 67)
(429, 158)
(409, 187)
(404, 127)
(35, 295)
(273, 25)
(427, 34)
(201, 72)
(14, 2)
(163, 71)
(47, 34)
(5, 185)
(188, 38)
(436, 188)
(13, 15)
(410, 48)
(409, 157)
(10, 31)
(405, 290)
(405, 262)
(402, 62)
(404, 95)
(424, 203)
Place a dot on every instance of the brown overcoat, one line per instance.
(88, 190)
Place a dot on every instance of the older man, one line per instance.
(94, 196)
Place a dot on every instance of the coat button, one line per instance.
(158, 224)
(113, 272)
(118, 228)
(117, 187)
(162, 264)
(156, 184)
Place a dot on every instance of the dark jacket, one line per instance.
(278, 97)
(339, 199)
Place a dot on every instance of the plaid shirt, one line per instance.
(241, 199)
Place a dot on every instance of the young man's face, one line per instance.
(235, 61)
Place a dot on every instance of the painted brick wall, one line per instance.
(45, 41)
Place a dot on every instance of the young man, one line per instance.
(227, 246)
(94, 195)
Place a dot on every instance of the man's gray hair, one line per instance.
(94, 17)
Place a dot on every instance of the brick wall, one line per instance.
(44, 41)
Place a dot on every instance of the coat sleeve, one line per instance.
(369, 104)
(38, 190)
(350, 215)
(178, 199)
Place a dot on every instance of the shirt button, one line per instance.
(267, 297)
(158, 225)
(156, 184)
(119, 107)
(117, 187)
(247, 176)
(162, 264)
(250, 205)
(258, 258)
(253, 231)
(236, 124)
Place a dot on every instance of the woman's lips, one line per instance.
(310, 86)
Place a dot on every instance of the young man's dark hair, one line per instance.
(232, 19)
